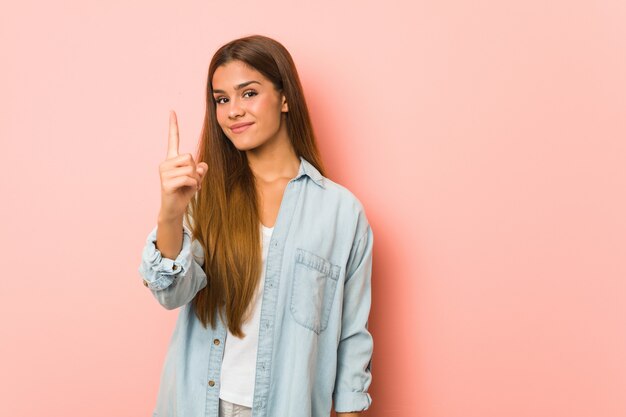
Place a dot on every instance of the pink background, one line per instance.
(487, 141)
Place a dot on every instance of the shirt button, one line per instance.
(216, 341)
(175, 267)
(211, 383)
(145, 283)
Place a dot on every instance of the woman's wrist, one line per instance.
(169, 221)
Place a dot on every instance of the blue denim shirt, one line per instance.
(314, 346)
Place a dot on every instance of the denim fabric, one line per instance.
(314, 347)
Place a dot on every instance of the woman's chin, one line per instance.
(244, 145)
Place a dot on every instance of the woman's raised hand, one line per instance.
(181, 177)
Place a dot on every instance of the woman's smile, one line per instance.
(240, 127)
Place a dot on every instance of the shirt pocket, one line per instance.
(313, 290)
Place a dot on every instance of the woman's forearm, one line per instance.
(169, 237)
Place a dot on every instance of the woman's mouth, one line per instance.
(240, 127)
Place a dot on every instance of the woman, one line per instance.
(270, 260)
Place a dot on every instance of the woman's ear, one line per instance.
(285, 107)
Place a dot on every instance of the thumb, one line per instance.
(202, 167)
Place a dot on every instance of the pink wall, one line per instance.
(486, 140)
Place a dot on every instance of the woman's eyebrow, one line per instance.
(238, 86)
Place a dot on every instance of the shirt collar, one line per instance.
(306, 168)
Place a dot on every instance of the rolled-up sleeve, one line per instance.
(354, 354)
(174, 282)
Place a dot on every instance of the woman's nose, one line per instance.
(235, 109)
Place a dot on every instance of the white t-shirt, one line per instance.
(239, 362)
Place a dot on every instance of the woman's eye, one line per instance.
(248, 93)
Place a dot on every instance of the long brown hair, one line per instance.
(224, 214)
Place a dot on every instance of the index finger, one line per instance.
(172, 140)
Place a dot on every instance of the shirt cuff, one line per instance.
(346, 402)
(159, 272)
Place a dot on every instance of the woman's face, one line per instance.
(243, 95)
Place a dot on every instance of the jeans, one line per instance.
(228, 409)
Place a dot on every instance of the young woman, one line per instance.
(270, 260)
